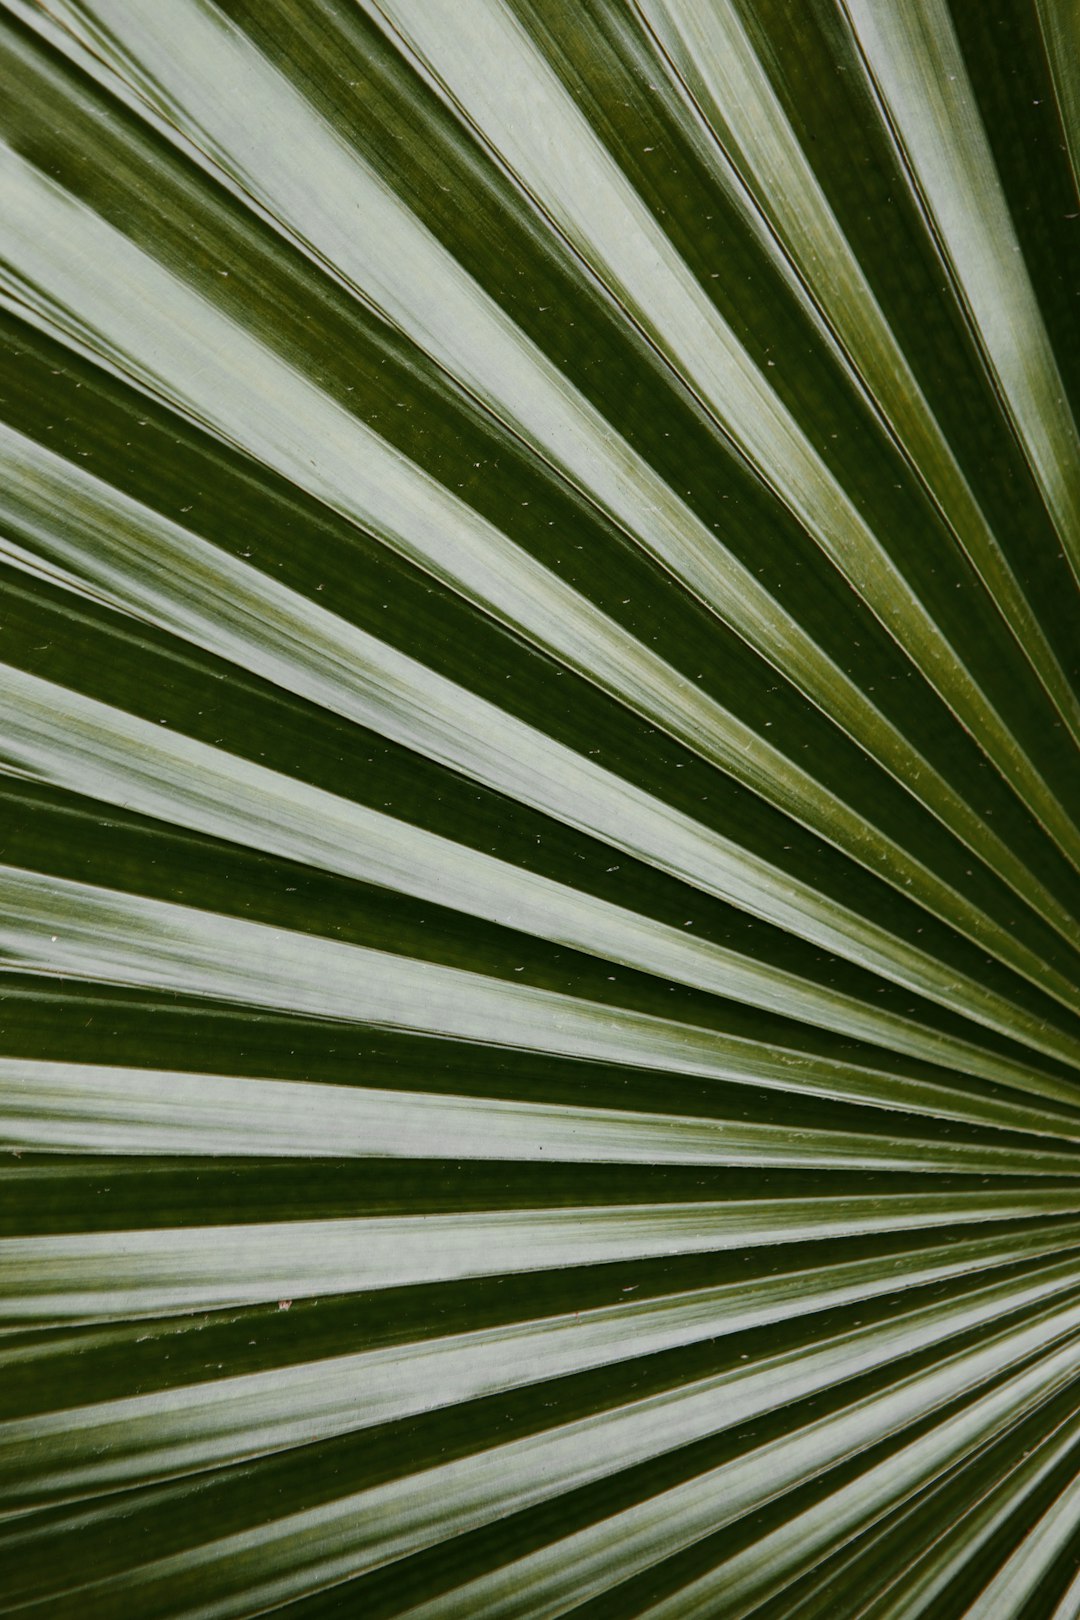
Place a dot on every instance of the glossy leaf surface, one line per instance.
(539, 746)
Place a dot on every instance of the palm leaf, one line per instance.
(539, 744)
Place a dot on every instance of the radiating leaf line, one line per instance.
(146, 1437)
(596, 199)
(130, 763)
(733, 586)
(932, 1574)
(56, 1107)
(218, 611)
(125, 939)
(915, 58)
(744, 1580)
(1057, 31)
(606, 1552)
(712, 50)
(398, 1518)
(538, 888)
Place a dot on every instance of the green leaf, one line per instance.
(538, 747)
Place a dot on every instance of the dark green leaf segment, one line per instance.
(539, 802)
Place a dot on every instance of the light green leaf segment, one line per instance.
(540, 777)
